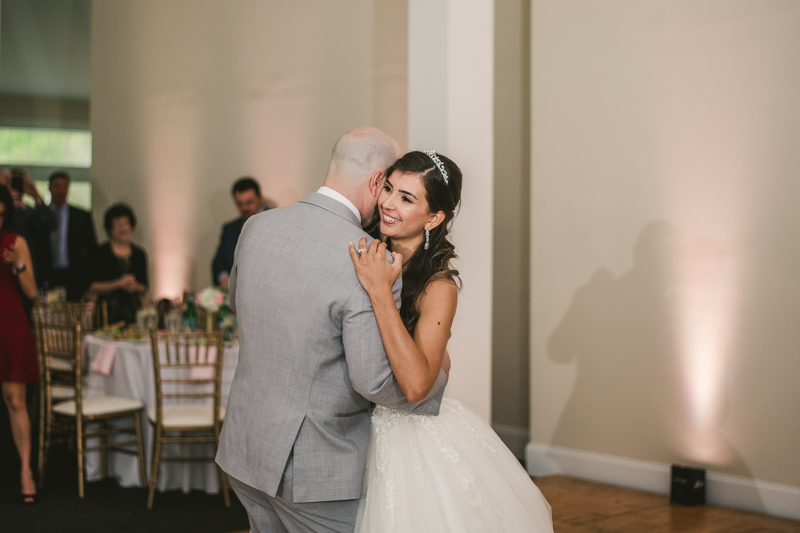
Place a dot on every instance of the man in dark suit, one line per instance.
(71, 243)
(247, 195)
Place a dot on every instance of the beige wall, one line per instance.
(188, 95)
(510, 283)
(665, 296)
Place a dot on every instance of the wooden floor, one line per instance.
(588, 507)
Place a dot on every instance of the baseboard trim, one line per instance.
(515, 438)
(723, 489)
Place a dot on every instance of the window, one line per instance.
(45, 147)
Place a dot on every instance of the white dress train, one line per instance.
(446, 473)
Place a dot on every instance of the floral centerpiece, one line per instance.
(210, 300)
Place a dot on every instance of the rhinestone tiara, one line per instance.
(438, 162)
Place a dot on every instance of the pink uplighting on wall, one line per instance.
(171, 163)
(709, 203)
(705, 319)
(712, 145)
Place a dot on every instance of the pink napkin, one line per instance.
(202, 372)
(104, 361)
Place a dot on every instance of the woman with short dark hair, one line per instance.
(118, 271)
(18, 365)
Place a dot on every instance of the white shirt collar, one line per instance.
(330, 193)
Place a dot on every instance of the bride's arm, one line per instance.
(416, 362)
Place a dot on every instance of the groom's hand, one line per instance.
(374, 272)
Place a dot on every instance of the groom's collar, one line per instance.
(339, 197)
(336, 207)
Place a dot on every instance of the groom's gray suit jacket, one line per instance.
(310, 355)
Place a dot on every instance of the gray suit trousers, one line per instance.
(281, 514)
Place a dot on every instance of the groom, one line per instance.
(311, 359)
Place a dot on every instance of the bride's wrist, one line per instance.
(381, 294)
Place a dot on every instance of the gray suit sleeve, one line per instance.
(232, 289)
(234, 270)
(369, 369)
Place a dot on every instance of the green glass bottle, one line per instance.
(189, 313)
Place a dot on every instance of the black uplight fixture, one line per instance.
(688, 485)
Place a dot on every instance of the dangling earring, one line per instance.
(427, 239)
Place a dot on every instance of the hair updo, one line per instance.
(425, 266)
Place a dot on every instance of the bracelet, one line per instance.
(19, 268)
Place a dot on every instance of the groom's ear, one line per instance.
(376, 183)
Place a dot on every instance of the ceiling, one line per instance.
(45, 48)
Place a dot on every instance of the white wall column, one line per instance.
(451, 109)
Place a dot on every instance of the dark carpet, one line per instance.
(106, 507)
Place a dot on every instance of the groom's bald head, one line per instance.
(359, 153)
(357, 157)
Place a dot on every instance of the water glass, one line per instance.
(141, 319)
(147, 318)
(174, 321)
(152, 318)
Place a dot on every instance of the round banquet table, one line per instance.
(132, 375)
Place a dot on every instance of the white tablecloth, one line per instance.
(132, 376)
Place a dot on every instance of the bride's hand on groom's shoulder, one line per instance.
(373, 270)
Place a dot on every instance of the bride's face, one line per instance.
(403, 206)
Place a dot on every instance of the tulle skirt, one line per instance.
(446, 473)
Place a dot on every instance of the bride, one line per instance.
(430, 473)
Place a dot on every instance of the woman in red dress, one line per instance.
(18, 364)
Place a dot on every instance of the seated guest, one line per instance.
(118, 268)
(247, 195)
(71, 243)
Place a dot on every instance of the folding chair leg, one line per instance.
(35, 408)
(41, 443)
(140, 449)
(223, 479)
(44, 447)
(79, 442)
(103, 451)
(154, 473)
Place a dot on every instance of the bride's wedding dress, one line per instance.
(446, 473)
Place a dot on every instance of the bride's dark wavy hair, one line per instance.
(425, 266)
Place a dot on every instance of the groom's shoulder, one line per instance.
(306, 218)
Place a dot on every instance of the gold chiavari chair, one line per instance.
(54, 312)
(89, 315)
(63, 342)
(188, 373)
(52, 372)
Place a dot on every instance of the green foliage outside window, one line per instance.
(43, 147)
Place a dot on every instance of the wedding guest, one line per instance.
(247, 195)
(118, 268)
(71, 243)
(33, 223)
(18, 365)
